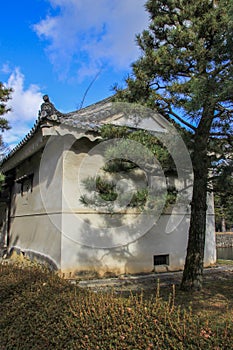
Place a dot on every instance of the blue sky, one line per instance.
(57, 47)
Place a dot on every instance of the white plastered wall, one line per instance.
(84, 248)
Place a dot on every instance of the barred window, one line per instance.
(161, 259)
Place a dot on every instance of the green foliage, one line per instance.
(101, 192)
(151, 146)
(118, 165)
(2, 179)
(4, 125)
(154, 145)
(104, 191)
(223, 189)
(41, 311)
(109, 131)
(4, 97)
(139, 198)
(171, 196)
(186, 59)
(223, 212)
(185, 71)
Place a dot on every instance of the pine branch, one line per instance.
(192, 127)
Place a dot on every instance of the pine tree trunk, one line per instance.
(193, 270)
(223, 224)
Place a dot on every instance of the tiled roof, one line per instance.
(88, 118)
(22, 142)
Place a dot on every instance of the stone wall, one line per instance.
(224, 240)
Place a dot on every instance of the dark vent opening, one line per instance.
(161, 259)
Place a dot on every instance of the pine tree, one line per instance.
(4, 97)
(223, 193)
(185, 71)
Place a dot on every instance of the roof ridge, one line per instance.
(40, 118)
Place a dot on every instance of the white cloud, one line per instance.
(87, 35)
(5, 68)
(24, 104)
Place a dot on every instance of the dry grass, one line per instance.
(41, 311)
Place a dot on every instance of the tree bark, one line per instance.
(223, 224)
(193, 270)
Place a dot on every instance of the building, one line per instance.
(42, 209)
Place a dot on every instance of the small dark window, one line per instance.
(26, 182)
(161, 259)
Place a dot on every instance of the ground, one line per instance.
(42, 311)
(216, 297)
(148, 282)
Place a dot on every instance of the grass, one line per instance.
(225, 262)
(39, 310)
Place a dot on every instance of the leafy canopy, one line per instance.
(185, 71)
(4, 97)
(186, 59)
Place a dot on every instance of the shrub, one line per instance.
(42, 311)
